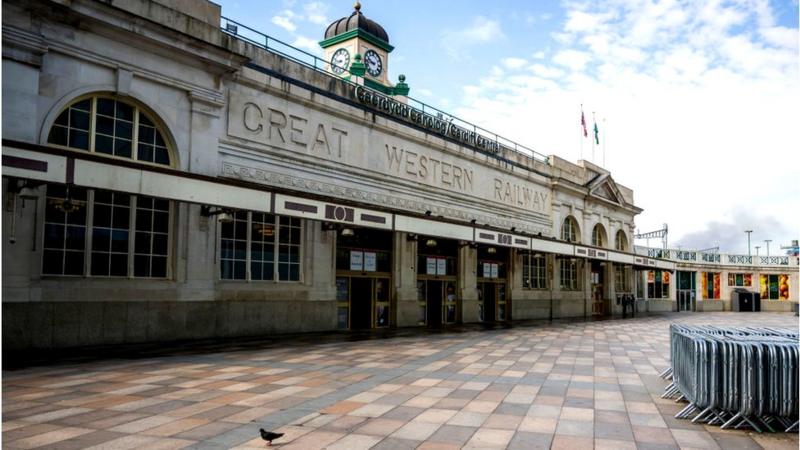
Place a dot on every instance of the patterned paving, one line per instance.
(569, 385)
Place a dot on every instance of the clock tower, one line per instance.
(355, 45)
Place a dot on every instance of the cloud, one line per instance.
(284, 20)
(573, 59)
(514, 63)
(700, 101)
(307, 44)
(316, 12)
(482, 31)
(730, 237)
(424, 92)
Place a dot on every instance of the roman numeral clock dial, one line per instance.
(373, 62)
(340, 61)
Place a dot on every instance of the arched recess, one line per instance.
(599, 238)
(570, 231)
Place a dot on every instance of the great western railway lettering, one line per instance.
(522, 196)
(429, 170)
(285, 128)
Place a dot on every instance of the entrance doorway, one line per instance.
(363, 279)
(493, 302)
(599, 304)
(687, 300)
(437, 265)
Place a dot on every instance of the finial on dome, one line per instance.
(357, 6)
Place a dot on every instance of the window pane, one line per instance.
(123, 130)
(121, 217)
(141, 266)
(105, 106)
(124, 112)
(146, 134)
(79, 139)
(119, 265)
(122, 148)
(102, 215)
(78, 119)
(101, 239)
(143, 219)
(119, 241)
(160, 222)
(161, 155)
(159, 268)
(104, 125)
(100, 264)
(76, 237)
(145, 152)
(58, 135)
(160, 244)
(53, 262)
(53, 236)
(144, 120)
(73, 263)
(239, 270)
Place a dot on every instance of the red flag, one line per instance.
(583, 124)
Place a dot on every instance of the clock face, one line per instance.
(340, 61)
(373, 62)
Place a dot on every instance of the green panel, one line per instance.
(376, 41)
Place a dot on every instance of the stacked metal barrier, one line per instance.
(735, 377)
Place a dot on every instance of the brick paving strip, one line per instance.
(569, 385)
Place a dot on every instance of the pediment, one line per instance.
(604, 187)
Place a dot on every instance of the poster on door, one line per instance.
(356, 260)
(430, 268)
(494, 270)
(441, 266)
(370, 262)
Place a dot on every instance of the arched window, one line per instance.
(598, 236)
(621, 241)
(104, 124)
(569, 230)
(100, 233)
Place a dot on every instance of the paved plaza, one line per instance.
(573, 385)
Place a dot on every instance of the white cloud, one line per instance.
(316, 12)
(514, 63)
(573, 59)
(307, 44)
(700, 101)
(482, 31)
(284, 20)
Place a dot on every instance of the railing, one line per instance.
(740, 259)
(688, 256)
(261, 40)
(776, 260)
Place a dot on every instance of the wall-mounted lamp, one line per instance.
(513, 229)
(67, 205)
(223, 215)
(411, 237)
(537, 255)
(347, 232)
(431, 243)
(491, 250)
(428, 213)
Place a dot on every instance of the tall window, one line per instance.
(268, 245)
(598, 236)
(569, 230)
(103, 124)
(105, 234)
(569, 274)
(620, 279)
(621, 241)
(534, 271)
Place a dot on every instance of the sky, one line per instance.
(696, 102)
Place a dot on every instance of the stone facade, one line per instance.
(238, 115)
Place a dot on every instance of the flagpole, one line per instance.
(595, 125)
(581, 130)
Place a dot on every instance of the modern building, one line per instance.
(170, 174)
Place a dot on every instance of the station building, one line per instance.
(169, 174)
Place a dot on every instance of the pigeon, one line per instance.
(269, 436)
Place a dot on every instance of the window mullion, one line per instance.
(132, 231)
(87, 252)
(92, 122)
(248, 243)
(276, 249)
